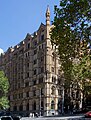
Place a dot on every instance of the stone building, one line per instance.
(33, 68)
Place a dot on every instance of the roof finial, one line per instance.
(48, 15)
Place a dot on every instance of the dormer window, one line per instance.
(35, 42)
(42, 37)
(28, 45)
(43, 30)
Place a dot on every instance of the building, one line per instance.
(33, 68)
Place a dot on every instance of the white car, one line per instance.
(6, 118)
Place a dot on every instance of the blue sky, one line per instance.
(19, 17)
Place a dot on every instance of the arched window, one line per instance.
(15, 108)
(53, 90)
(52, 104)
(27, 106)
(42, 105)
(34, 105)
(21, 107)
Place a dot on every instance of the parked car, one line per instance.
(9, 118)
(16, 117)
(88, 114)
(6, 118)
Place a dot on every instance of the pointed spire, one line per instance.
(48, 10)
(48, 16)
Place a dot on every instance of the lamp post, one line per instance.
(40, 101)
(62, 99)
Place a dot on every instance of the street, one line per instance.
(79, 117)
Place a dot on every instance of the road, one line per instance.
(79, 117)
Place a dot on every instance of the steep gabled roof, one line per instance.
(42, 26)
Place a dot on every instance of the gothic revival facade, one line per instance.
(36, 82)
(33, 68)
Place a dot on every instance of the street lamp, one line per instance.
(40, 100)
(63, 99)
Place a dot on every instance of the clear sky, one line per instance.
(19, 17)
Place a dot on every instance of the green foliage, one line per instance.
(72, 25)
(82, 73)
(4, 85)
(4, 103)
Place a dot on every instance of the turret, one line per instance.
(48, 16)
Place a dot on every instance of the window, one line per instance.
(34, 82)
(18, 85)
(53, 56)
(41, 80)
(28, 53)
(73, 94)
(59, 104)
(35, 72)
(59, 92)
(26, 84)
(21, 107)
(53, 79)
(52, 105)
(42, 105)
(42, 91)
(39, 47)
(42, 69)
(22, 76)
(28, 65)
(35, 43)
(34, 92)
(42, 30)
(35, 51)
(27, 74)
(15, 108)
(59, 81)
(8, 97)
(42, 37)
(20, 95)
(27, 106)
(53, 90)
(34, 105)
(52, 69)
(15, 96)
(28, 45)
(27, 94)
(21, 51)
(42, 58)
(42, 46)
(35, 61)
(77, 94)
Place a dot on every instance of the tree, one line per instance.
(82, 76)
(4, 85)
(72, 25)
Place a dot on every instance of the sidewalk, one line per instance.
(65, 115)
